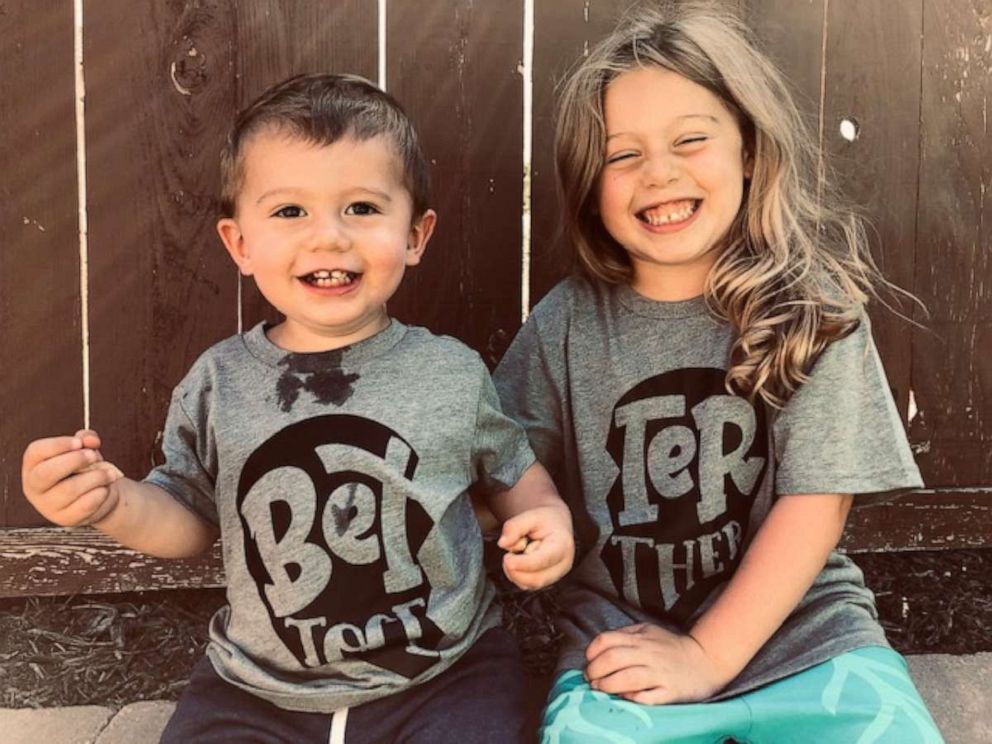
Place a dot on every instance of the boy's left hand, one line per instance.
(547, 530)
(650, 665)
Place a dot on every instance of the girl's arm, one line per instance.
(648, 664)
(788, 552)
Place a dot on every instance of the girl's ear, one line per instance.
(748, 166)
(420, 233)
(234, 241)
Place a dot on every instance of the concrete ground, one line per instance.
(957, 689)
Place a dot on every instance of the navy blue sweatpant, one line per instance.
(478, 700)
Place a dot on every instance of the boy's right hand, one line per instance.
(67, 480)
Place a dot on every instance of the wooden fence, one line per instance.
(112, 280)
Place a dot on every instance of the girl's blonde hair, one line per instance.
(795, 273)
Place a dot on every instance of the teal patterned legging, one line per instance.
(861, 697)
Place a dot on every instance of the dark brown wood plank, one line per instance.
(41, 391)
(563, 31)
(932, 519)
(873, 83)
(453, 65)
(791, 33)
(277, 39)
(56, 561)
(952, 363)
(161, 287)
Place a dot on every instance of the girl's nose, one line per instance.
(660, 170)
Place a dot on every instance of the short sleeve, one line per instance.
(500, 451)
(190, 469)
(840, 432)
(530, 391)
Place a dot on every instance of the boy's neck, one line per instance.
(306, 341)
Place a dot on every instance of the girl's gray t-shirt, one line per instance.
(339, 483)
(669, 476)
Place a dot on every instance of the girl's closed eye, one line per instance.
(695, 139)
(290, 211)
(620, 156)
(361, 209)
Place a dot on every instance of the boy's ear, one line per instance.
(230, 235)
(420, 233)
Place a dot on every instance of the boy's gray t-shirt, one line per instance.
(339, 483)
(668, 476)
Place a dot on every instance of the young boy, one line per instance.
(333, 453)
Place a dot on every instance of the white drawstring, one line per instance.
(339, 719)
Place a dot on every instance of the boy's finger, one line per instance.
(44, 449)
(63, 496)
(520, 546)
(87, 504)
(109, 501)
(513, 531)
(89, 438)
(51, 471)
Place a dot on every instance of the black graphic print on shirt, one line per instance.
(691, 458)
(331, 541)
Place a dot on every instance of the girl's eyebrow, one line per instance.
(706, 117)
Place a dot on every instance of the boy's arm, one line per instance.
(149, 519)
(537, 530)
(534, 488)
(69, 483)
(648, 664)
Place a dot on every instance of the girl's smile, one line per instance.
(673, 179)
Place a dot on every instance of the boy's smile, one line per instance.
(327, 232)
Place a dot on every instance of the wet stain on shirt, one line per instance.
(318, 374)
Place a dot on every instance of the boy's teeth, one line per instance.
(668, 213)
(335, 278)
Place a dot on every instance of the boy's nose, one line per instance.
(329, 235)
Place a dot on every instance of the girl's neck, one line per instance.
(667, 289)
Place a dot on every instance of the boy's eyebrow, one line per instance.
(296, 192)
(707, 117)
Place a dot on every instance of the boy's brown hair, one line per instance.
(323, 108)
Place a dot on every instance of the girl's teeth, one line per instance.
(657, 218)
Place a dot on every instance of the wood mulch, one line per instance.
(116, 649)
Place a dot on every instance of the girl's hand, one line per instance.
(67, 480)
(653, 666)
(540, 544)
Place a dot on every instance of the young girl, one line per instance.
(708, 396)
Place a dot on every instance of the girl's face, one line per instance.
(673, 179)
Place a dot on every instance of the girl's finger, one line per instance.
(606, 641)
(628, 680)
(613, 660)
(654, 696)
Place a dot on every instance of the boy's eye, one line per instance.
(361, 209)
(289, 212)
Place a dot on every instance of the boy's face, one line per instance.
(327, 231)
